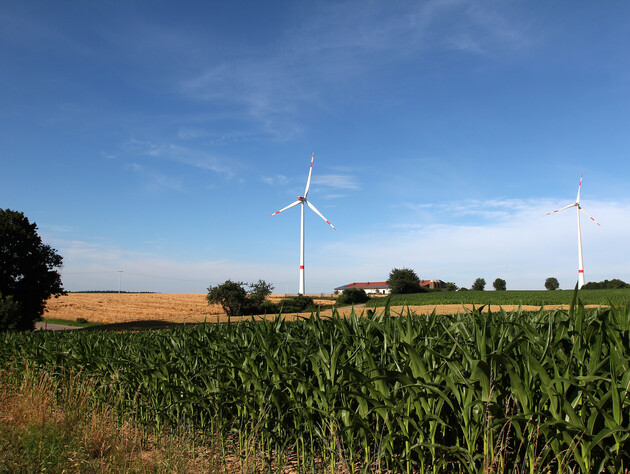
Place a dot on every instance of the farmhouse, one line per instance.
(382, 288)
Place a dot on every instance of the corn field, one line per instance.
(480, 392)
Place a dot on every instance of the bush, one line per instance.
(297, 304)
(352, 296)
(450, 286)
(551, 283)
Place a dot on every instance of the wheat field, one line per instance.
(188, 308)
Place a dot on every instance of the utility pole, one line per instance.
(120, 272)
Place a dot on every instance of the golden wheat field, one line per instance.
(127, 307)
(188, 308)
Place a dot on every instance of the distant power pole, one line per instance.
(120, 272)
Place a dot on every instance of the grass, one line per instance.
(52, 425)
(617, 297)
(69, 322)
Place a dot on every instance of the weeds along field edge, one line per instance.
(520, 392)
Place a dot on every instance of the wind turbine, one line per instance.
(302, 200)
(578, 208)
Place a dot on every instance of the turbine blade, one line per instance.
(562, 208)
(320, 214)
(590, 217)
(577, 200)
(308, 181)
(285, 208)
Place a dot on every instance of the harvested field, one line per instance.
(192, 308)
(127, 307)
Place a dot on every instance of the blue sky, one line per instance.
(156, 138)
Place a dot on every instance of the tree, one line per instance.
(230, 295)
(259, 291)
(352, 296)
(551, 283)
(499, 284)
(478, 285)
(27, 272)
(606, 284)
(404, 280)
(450, 286)
(236, 301)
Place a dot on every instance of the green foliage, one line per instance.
(403, 281)
(27, 272)
(9, 313)
(499, 284)
(478, 285)
(297, 304)
(450, 286)
(236, 301)
(614, 283)
(510, 297)
(433, 393)
(259, 291)
(551, 283)
(352, 296)
(230, 295)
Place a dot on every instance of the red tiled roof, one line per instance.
(380, 284)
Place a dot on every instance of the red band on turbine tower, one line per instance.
(301, 267)
(580, 271)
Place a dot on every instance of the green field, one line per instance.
(534, 298)
(526, 392)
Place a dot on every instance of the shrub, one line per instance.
(353, 296)
(297, 304)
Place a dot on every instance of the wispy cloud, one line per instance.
(154, 180)
(179, 154)
(337, 181)
(276, 180)
(338, 42)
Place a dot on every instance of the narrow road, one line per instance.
(41, 326)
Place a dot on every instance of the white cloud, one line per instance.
(523, 246)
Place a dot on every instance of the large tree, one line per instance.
(478, 285)
(28, 275)
(404, 280)
(551, 283)
(499, 284)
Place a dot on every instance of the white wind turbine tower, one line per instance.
(578, 208)
(302, 200)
